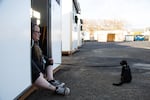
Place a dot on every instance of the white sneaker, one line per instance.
(57, 83)
(63, 91)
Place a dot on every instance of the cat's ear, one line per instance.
(123, 62)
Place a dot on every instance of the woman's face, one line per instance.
(36, 33)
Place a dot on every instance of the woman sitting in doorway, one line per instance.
(42, 65)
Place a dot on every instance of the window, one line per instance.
(58, 1)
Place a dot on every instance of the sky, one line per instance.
(135, 12)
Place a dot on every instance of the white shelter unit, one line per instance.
(110, 36)
(86, 35)
(79, 30)
(147, 33)
(15, 41)
(70, 26)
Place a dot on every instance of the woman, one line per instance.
(42, 65)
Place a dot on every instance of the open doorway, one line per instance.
(50, 23)
(40, 12)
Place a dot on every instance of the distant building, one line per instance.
(71, 34)
(110, 36)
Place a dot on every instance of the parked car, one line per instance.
(139, 38)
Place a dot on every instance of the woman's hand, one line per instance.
(50, 61)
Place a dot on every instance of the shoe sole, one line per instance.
(67, 91)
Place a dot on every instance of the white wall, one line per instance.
(70, 29)
(86, 36)
(102, 36)
(56, 31)
(15, 74)
(74, 29)
(66, 25)
(74, 37)
(79, 32)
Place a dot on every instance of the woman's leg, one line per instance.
(49, 73)
(42, 82)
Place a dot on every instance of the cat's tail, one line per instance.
(117, 84)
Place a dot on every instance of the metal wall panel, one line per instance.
(67, 25)
(15, 74)
(56, 32)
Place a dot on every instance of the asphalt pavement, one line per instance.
(90, 72)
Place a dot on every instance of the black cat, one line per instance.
(126, 76)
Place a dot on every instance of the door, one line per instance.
(110, 37)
